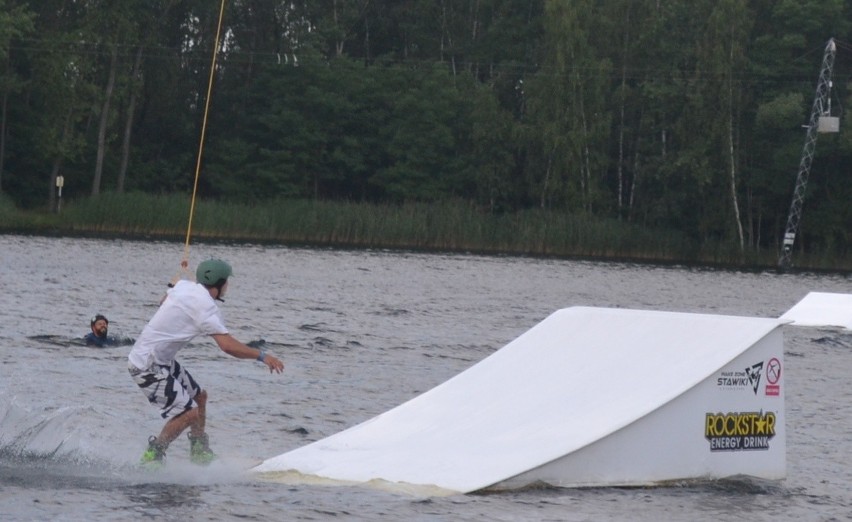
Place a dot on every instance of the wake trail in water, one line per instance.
(69, 447)
(25, 435)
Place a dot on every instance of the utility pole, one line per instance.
(821, 122)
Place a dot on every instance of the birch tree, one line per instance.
(567, 106)
(724, 61)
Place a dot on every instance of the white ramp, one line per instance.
(822, 309)
(589, 396)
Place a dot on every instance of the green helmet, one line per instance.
(212, 271)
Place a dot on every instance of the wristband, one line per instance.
(262, 355)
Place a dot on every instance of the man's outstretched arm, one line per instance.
(228, 344)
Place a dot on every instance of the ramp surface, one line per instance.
(822, 309)
(576, 377)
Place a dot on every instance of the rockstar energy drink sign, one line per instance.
(739, 431)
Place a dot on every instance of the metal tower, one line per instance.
(821, 121)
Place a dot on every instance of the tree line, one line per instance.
(676, 114)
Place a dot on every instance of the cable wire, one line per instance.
(185, 261)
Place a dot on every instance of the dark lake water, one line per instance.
(360, 332)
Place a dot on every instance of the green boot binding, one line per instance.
(199, 449)
(154, 455)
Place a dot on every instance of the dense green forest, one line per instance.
(683, 115)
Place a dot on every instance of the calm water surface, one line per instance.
(360, 332)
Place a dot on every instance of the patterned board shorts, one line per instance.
(171, 388)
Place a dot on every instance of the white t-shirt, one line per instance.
(187, 312)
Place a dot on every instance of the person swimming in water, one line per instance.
(99, 335)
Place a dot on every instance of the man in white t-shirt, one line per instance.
(188, 310)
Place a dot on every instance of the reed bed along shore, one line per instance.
(453, 226)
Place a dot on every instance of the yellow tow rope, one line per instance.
(184, 264)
